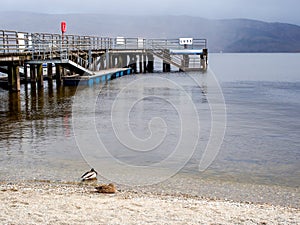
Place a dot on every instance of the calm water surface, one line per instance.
(261, 144)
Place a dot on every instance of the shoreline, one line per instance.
(46, 202)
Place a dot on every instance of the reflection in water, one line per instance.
(67, 122)
(37, 139)
(38, 123)
(40, 94)
(31, 126)
(14, 106)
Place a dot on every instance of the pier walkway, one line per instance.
(75, 57)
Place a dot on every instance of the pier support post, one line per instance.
(133, 63)
(150, 66)
(40, 78)
(145, 63)
(40, 94)
(49, 72)
(14, 104)
(120, 61)
(107, 59)
(9, 74)
(202, 62)
(16, 79)
(13, 78)
(33, 96)
(141, 63)
(32, 74)
(25, 73)
(124, 60)
(205, 58)
(94, 62)
(115, 61)
(185, 61)
(102, 64)
(58, 74)
(111, 61)
(166, 67)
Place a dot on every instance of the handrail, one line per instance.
(14, 42)
(47, 46)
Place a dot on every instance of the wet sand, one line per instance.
(77, 203)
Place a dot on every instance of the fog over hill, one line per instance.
(230, 35)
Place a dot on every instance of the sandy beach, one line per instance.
(75, 203)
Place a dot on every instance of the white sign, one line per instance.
(185, 41)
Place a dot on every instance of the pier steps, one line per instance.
(76, 67)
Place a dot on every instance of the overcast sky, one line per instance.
(267, 10)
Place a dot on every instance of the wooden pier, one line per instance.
(74, 58)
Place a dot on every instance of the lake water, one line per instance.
(39, 138)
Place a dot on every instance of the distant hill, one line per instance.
(233, 35)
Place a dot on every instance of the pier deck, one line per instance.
(84, 57)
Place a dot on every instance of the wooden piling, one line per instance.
(166, 67)
(32, 74)
(150, 65)
(40, 78)
(94, 63)
(9, 74)
(141, 63)
(102, 62)
(14, 78)
(145, 63)
(49, 72)
(33, 96)
(120, 61)
(14, 104)
(185, 61)
(124, 60)
(205, 56)
(133, 63)
(25, 74)
(166, 64)
(115, 61)
(107, 60)
(40, 100)
(58, 74)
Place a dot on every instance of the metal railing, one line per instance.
(45, 44)
(174, 44)
(12, 41)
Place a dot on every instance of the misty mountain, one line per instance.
(231, 35)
